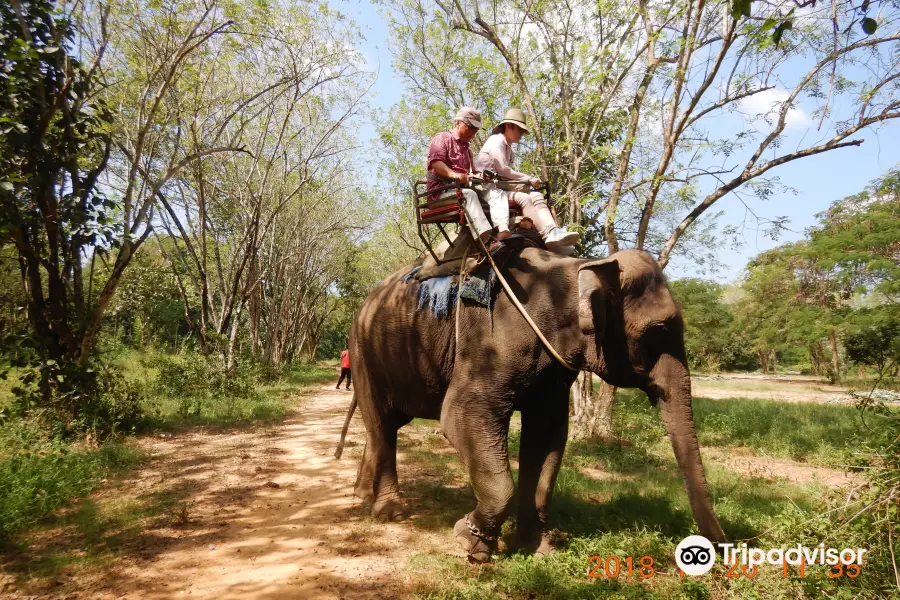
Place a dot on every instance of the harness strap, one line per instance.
(516, 302)
(462, 271)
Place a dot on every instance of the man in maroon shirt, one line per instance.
(450, 159)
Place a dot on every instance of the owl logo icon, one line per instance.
(695, 555)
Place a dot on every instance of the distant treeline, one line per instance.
(825, 304)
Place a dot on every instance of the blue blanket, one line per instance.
(440, 293)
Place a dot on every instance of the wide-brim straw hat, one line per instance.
(514, 116)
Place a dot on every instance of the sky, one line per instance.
(818, 180)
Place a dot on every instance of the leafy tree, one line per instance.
(860, 236)
(874, 339)
(54, 144)
(148, 308)
(765, 310)
(804, 294)
(712, 339)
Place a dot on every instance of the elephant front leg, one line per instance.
(479, 434)
(545, 426)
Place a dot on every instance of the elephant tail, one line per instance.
(340, 447)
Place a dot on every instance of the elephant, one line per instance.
(613, 316)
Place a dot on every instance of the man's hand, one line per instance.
(462, 178)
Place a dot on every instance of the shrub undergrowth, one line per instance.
(40, 472)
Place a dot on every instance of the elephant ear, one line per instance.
(598, 281)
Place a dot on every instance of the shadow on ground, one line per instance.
(269, 513)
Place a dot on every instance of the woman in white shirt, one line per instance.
(497, 155)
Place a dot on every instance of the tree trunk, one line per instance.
(231, 348)
(255, 347)
(814, 361)
(835, 362)
(593, 412)
(763, 361)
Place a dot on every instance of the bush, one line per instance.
(72, 400)
(40, 473)
(192, 375)
(195, 388)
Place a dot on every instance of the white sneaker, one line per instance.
(561, 237)
(565, 250)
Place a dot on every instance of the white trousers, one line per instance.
(498, 205)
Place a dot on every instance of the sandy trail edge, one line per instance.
(271, 515)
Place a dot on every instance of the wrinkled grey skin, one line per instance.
(615, 317)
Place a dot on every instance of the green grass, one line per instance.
(761, 385)
(97, 530)
(866, 383)
(643, 510)
(40, 475)
(814, 433)
(206, 397)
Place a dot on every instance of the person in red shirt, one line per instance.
(345, 369)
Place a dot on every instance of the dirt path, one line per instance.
(269, 513)
(261, 514)
(793, 388)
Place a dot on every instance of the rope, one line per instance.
(515, 300)
(462, 270)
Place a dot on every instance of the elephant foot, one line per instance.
(388, 510)
(364, 493)
(478, 548)
(540, 545)
(546, 547)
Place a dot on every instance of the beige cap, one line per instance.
(469, 116)
(514, 116)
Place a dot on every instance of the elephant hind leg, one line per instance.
(376, 481)
(544, 431)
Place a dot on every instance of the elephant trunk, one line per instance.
(672, 386)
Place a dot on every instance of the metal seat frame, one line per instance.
(421, 203)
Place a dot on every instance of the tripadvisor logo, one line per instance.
(695, 555)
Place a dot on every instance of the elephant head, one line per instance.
(634, 337)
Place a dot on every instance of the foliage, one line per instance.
(199, 384)
(148, 310)
(712, 339)
(55, 143)
(859, 237)
(41, 474)
(874, 339)
(837, 283)
(875, 515)
(95, 400)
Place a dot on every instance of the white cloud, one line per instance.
(770, 102)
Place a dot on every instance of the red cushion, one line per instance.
(443, 214)
(451, 213)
